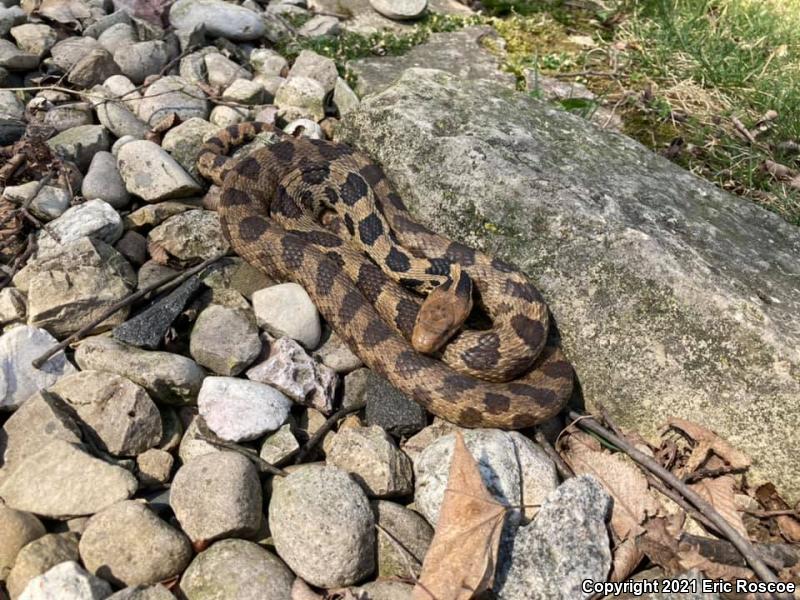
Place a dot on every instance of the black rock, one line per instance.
(392, 410)
(147, 329)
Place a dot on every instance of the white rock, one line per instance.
(289, 369)
(152, 174)
(225, 116)
(244, 91)
(268, 62)
(319, 68)
(301, 97)
(172, 94)
(220, 19)
(239, 410)
(222, 71)
(400, 10)
(66, 581)
(305, 127)
(286, 310)
(18, 379)
(95, 219)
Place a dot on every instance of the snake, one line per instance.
(325, 216)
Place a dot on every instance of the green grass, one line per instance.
(731, 58)
(349, 45)
(677, 72)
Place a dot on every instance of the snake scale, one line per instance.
(323, 215)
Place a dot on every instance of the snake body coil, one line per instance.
(271, 208)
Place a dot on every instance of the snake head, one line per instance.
(442, 314)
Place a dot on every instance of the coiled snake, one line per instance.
(309, 210)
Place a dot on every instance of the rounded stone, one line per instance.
(220, 19)
(507, 470)
(40, 556)
(128, 544)
(17, 528)
(217, 495)
(224, 340)
(237, 569)
(400, 10)
(103, 181)
(322, 526)
(287, 310)
(239, 410)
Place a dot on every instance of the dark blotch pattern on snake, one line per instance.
(271, 206)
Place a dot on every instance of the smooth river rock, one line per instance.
(672, 296)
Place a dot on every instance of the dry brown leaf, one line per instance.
(659, 541)
(769, 498)
(720, 492)
(462, 557)
(777, 170)
(692, 559)
(627, 556)
(706, 442)
(633, 501)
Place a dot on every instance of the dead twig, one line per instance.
(710, 473)
(30, 248)
(210, 437)
(744, 546)
(561, 466)
(768, 514)
(173, 280)
(320, 433)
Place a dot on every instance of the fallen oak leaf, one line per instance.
(707, 442)
(720, 493)
(633, 502)
(633, 499)
(462, 557)
(788, 525)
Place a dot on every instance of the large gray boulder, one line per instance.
(673, 297)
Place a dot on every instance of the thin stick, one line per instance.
(210, 437)
(561, 466)
(173, 279)
(681, 501)
(19, 260)
(320, 433)
(768, 514)
(720, 524)
(708, 473)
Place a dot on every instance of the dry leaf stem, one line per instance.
(561, 466)
(720, 524)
